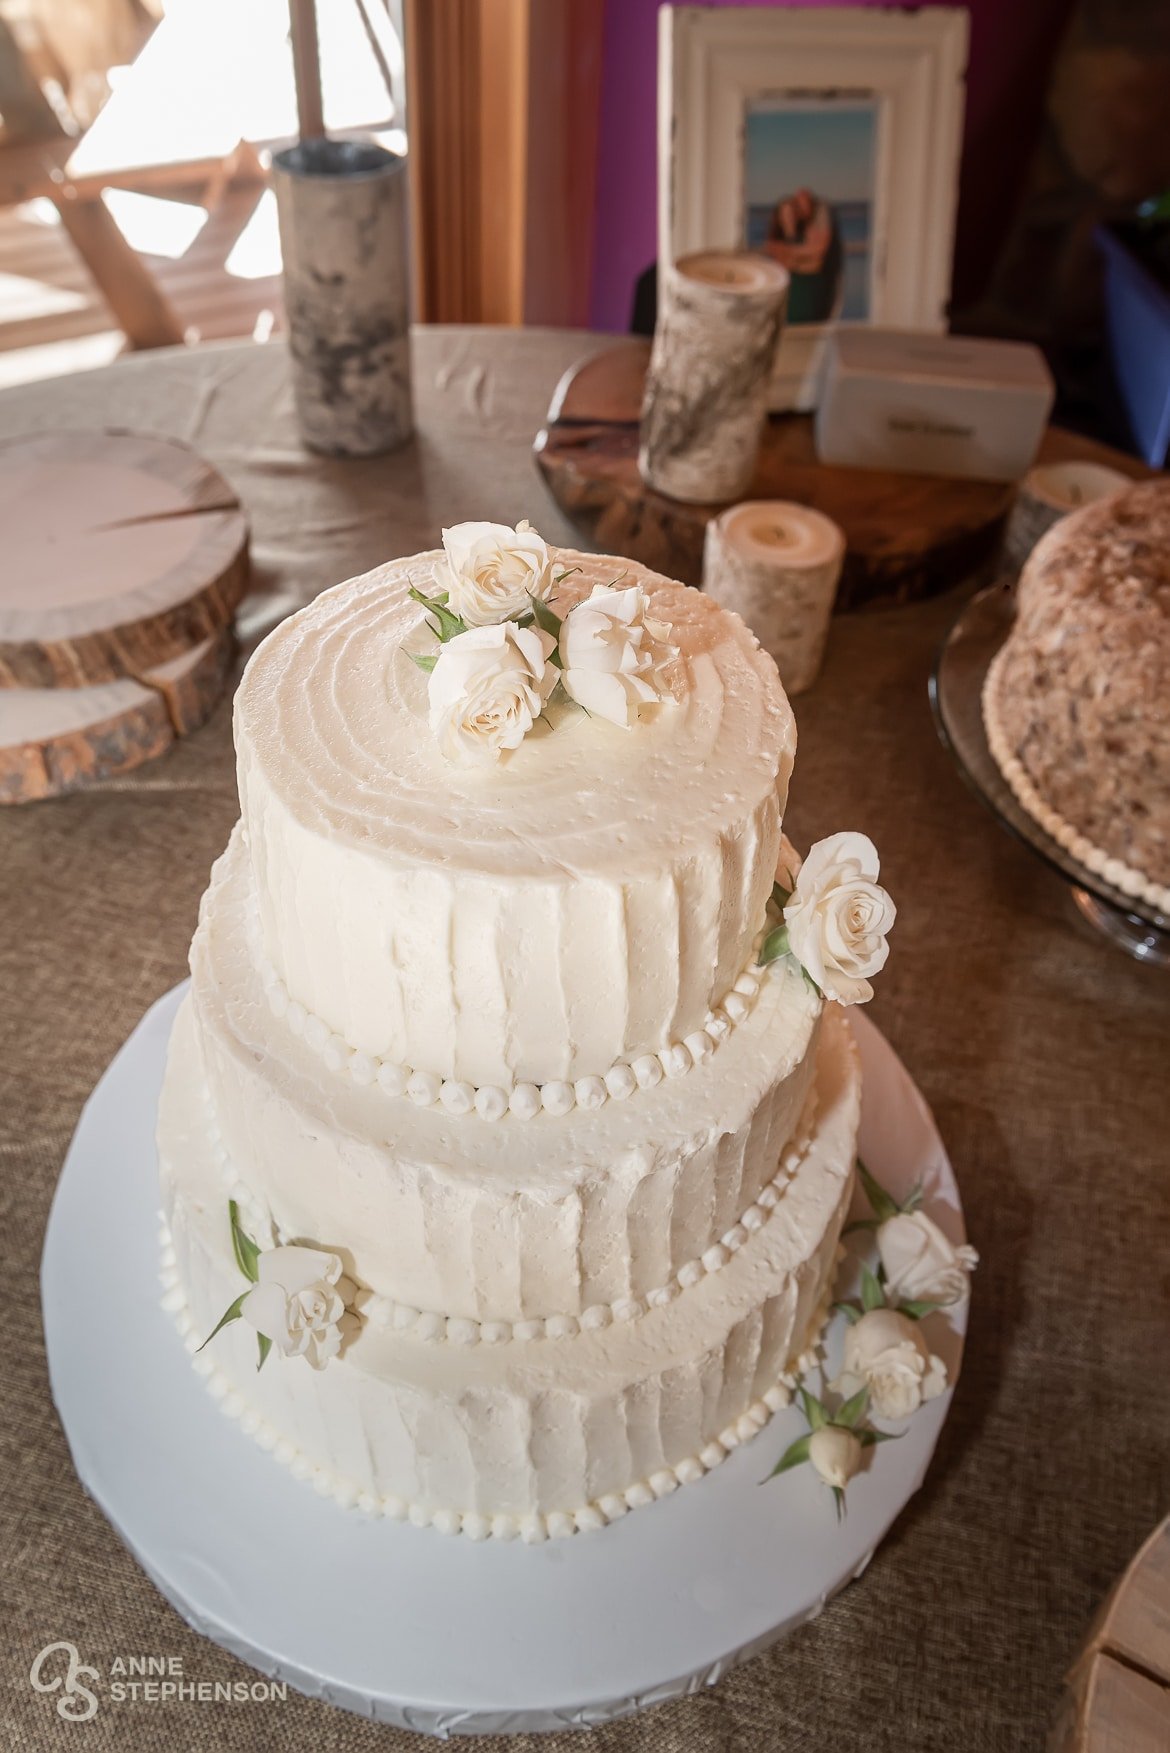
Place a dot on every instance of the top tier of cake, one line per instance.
(588, 899)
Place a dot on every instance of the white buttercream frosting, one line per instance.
(483, 1218)
(586, 902)
(534, 1441)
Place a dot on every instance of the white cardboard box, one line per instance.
(932, 404)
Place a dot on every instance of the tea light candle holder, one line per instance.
(719, 319)
(778, 565)
(1047, 494)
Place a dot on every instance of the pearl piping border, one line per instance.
(524, 1101)
(533, 1528)
(1134, 883)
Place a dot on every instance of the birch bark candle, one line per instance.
(342, 207)
(1049, 493)
(778, 565)
(719, 320)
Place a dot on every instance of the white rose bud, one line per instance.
(835, 1453)
(492, 571)
(921, 1265)
(838, 917)
(887, 1353)
(614, 658)
(488, 688)
(298, 1302)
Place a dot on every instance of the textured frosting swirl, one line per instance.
(588, 899)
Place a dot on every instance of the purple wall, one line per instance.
(1012, 44)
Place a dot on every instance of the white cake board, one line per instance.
(425, 1630)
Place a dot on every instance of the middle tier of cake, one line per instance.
(519, 1219)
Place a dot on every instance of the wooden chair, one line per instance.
(35, 149)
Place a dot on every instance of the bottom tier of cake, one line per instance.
(532, 1437)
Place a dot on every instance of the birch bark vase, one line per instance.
(719, 320)
(777, 565)
(342, 207)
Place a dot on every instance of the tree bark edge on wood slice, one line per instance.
(908, 536)
(161, 707)
(169, 508)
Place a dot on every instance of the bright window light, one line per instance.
(154, 227)
(256, 252)
(22, 299)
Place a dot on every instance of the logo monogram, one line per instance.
(77, 1704)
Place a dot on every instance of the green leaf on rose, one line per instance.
(774, 945)
(243, 1247)
(566, 572)
(546, 619)
(793, 1456)
(851, 1414)
(839, 1500)
(812, 1409)
(230, 1314)
(867, 1438)
(872, 1294)
(850, 1311)
(426, 660)
(265, 1346)
(549, 623)
(781, 895)
(444, 624)
(918, 1311)
(884, 1207)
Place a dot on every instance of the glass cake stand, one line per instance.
(956, 692)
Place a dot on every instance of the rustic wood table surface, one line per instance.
(1042, 1050)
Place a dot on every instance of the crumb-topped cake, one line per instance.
(1077, 702)
(508, 1125)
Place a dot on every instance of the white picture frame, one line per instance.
(716, 66)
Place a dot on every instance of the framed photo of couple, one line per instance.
(827, 138)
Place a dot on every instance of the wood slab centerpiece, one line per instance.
(125, 558)
(907, 536)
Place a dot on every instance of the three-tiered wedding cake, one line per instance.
(482, 1103)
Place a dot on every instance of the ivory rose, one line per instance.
(613, 657)
(492, 571)
(488, 688)
(887, 1353)
(921, 1265)
(298, 1303)
(835, 1453)
(838, 917)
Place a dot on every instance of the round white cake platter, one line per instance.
(425, 1630)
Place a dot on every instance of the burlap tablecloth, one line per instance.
(1043, 1052)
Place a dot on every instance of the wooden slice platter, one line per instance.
(121, 552)
(1117, 1697)
(908, 536)
(54, 740)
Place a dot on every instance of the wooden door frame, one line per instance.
(503, 106)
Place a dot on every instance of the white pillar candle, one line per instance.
(777, 565)
(719, 320)
(1050, 492)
